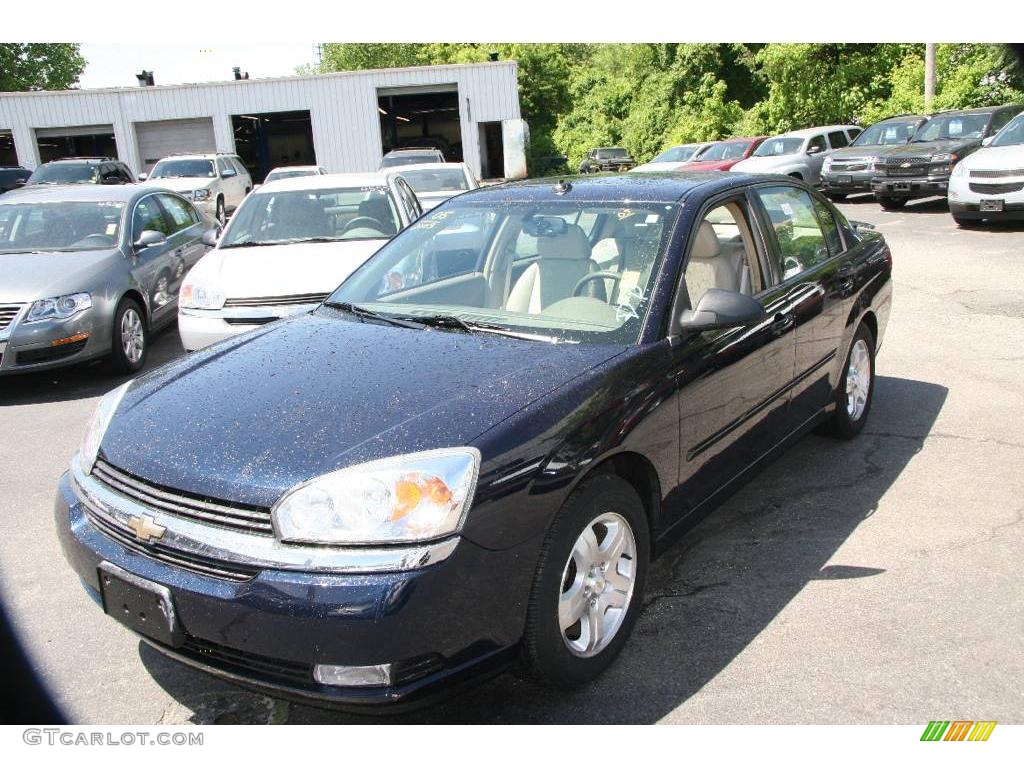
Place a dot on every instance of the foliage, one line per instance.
(39, 66)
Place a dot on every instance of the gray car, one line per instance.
(90, 271)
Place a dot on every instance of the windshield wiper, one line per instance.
(362, 313)
(457, 323)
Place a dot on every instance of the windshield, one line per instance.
(676, 154)
(611, 153)
(65, 173)
(287, 174)
(436, 180)
(177, 169)
(59, 226)
(522, 268)
(1012, 133)
(725, 150)
(881, 134)
(779, 146)
(954, 127)
(343, 213)
(411, 158)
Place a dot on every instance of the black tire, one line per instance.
(891, 203)
(222, 216)
(120, 359)
(546, 652)
(965, 223)
(837, 196)
(842, 423)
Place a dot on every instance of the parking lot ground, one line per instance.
(872, 581)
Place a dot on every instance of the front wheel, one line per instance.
(588, 588)
(891, 203)
(222, 216)
(856, 387)
(964, 223)
(130, 342)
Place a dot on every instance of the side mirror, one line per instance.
(227, 174)
(111, 180)
(210, 237)
(987, 140)
(143, 176)
(814, 150)
(719, 308)
(150, 238)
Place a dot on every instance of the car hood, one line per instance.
(996, 158)
(767, 164)
(283, 270)
(31, 276)
(713, 165)
(926, 148)
(850, 153)
(186, 184)
(247, 419)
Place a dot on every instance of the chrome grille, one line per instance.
(277, 301)
(248, 519)
(844, 167)
(7, 314)
(1000, 174)
(997, 189)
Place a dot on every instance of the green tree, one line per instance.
(39, 66)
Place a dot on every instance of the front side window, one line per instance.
(181, 213)
(1001, 119)
(60, 226)
(723, 254)
(817, 142)
(779, 146)
(794, 222)
(269, 218)
(1012, 133)
(149, 216)
(182, 169)
(464, 261)
(725, 150)
(677, 154)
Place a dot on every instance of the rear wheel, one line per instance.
(891, 203)
(856, 387)
(130, 341)
(588, 588)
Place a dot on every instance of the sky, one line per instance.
(116, 64)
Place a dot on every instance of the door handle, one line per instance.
(782, 323)
(844, 287)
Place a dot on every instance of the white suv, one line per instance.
(216, 182)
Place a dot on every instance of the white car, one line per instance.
(216, 182)
(989, 183)
(291, 171)
(799, 154)
(434, 183)
(289, 245)
(674, 158)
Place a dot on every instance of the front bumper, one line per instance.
(1010, 212)
(846, 183)
(965, 203)
(47, 344)
(200, 328)
(438, 624)
(910, 187)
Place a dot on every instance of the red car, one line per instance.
(725, 154)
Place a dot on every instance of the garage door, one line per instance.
(161, 138)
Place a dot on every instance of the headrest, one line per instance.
(570, 245)
(705, 246)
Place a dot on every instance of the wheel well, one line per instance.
(871, 322)
(137, 297)
(641, 475)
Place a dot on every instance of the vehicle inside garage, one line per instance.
(421, 117)
(273, 139)
(76, 141)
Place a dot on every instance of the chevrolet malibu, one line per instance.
(470, 452)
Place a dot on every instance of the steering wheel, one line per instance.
(96, 239)
(363, 221)
(605, 275)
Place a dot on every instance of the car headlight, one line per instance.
(943, 158)
(98, 425)
(200, 296)
(59, 307)
(411, 498)
(959, 170)
(200, 194)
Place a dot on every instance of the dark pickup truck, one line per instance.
(607, 159)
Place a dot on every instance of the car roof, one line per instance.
(198, 156)
(619, 188)
(283, 168)
(414, 151)
(53, 193)
(326, 181)
(81, 161)
(977, 110)
(804, 133)
(400, 169)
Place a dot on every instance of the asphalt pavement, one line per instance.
(871, 581)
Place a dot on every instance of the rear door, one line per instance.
(815, 161)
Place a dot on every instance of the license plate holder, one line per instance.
(991, 206)
(141, 605)
(901, 186)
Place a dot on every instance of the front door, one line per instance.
(152, 265)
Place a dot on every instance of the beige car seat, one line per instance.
(561, 262)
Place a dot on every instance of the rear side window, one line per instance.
(837, 139)
(180, 212)
(796, 229)
(149, 215)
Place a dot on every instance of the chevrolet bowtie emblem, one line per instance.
(904, 165)
(145, 528)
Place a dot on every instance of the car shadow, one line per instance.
(78, 382)
(707, 597)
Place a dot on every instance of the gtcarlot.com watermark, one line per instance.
(101, 738)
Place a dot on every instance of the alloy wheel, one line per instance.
(858, 380)
(133, 339)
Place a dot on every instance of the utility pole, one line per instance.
(929, 75)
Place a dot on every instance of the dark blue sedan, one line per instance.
(469, 454)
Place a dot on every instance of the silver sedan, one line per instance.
(91, 271)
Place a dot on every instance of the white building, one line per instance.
(343, 121)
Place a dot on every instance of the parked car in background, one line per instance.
(291, 171)
(414, 484)
(606, 159)
(850, 170)
(289, 245)
(397, 157)
(216, 182)
(723, 155)
(434, 183)
(82, 170)
(13, 177)
(922, 167)
(673, 158)
(91, 271)
(799, 154)
(989, 183)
